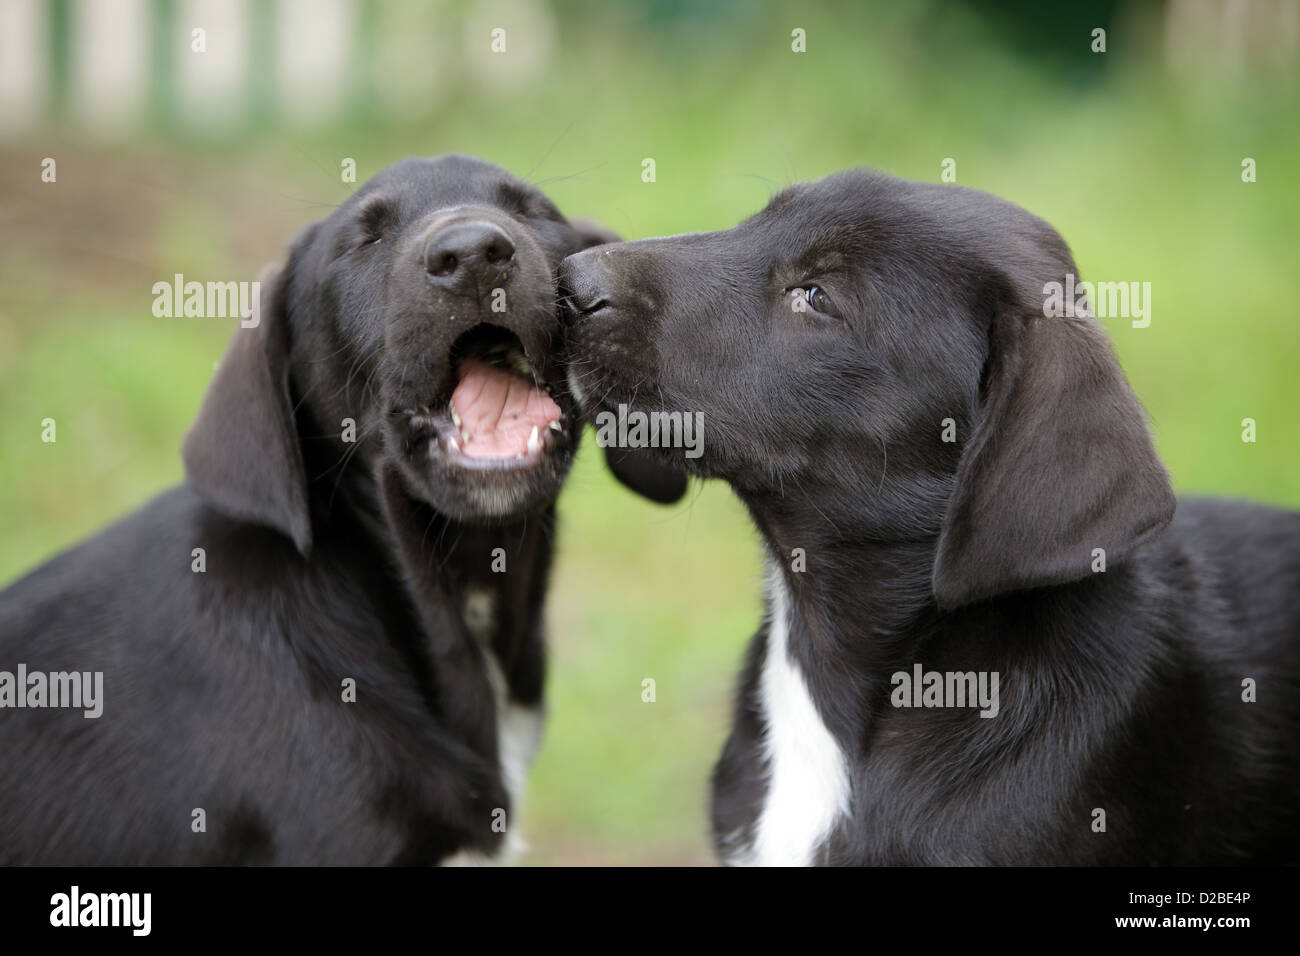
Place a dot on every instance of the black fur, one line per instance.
(325, 560)
(1119, 690)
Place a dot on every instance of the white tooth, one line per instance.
(554, 426)
(452, 444)
(466, 435)
(534, 441)
(454, 417)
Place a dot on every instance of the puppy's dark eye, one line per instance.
(813, 298)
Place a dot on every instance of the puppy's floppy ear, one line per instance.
(242, 454)
(591, 233)
(647, 474)
(1061, 461)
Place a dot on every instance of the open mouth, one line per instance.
(500, 413)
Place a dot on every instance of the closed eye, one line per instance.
(374, 219)
(526, 204)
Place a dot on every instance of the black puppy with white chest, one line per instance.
(950, 482)
(326, 646)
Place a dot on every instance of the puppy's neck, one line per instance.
(477, 596)
(856, 605)
(844, 558)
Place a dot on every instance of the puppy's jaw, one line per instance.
(497, 441)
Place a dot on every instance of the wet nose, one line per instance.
(465, 253)
(583, 282)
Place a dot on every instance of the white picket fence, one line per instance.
(313, 51)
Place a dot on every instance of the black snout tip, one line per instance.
(581, 292)
(464, 247)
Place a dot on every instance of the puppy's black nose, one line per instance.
(466, 252)
(582, 282)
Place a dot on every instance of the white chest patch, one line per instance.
(519, 731)
(480, 613)
(808, 776)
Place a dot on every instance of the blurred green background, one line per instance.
(170, 160)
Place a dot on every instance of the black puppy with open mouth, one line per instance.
(950, 482)
(326, 646)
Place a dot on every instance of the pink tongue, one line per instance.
(499, 409)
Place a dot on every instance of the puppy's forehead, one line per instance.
(827, 225)
(448, 181)
(865, 214)
(858, 199)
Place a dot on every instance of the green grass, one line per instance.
(1140, 176)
